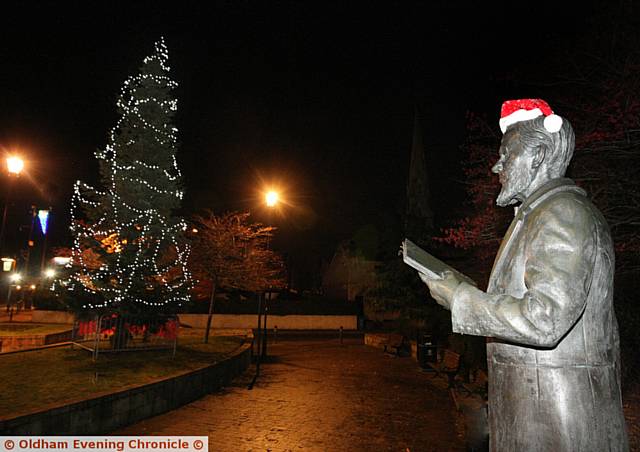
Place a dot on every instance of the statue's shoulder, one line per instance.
(567, 199)
(560, 205)
(567, 205)
(571, 215)
(558, 193)
(575, 198)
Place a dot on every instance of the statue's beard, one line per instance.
(515, 185)
(511, 191)
(506, 198)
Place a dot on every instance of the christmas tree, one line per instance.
(129, 256)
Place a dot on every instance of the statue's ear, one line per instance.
(538, 155)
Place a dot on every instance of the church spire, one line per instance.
(418, 213)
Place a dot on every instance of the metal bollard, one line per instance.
(341, 335)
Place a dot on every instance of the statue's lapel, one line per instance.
(550, 188)
(507, 242)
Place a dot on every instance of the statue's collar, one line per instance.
(546, 190)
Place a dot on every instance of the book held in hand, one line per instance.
(427, 264)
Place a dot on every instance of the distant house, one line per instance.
(349, 275)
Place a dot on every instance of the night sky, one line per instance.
(316, 97)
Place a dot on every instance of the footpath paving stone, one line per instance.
(318, 395)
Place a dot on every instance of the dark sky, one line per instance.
(318, 96)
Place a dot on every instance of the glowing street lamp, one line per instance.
(8, 264)
(15, 164)
(271, 198)
(49, 273)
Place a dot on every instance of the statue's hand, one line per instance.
(442, 289)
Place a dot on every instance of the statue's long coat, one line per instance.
(554, 367)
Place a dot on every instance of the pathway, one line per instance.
(318, 395)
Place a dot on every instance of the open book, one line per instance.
(425, 263)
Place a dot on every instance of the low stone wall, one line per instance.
(104, 414)
(38, 316)
(11, 343)
(242, 321)
(283, 322)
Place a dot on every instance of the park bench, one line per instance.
(393, 341)
(449, 366)
(479, 386)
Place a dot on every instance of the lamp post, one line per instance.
(15, 165)
(271, 199)
(14, 279)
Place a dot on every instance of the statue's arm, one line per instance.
(560, 252)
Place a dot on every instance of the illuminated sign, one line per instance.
(43, 216)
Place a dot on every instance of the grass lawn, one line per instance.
(31, 329)
(32, 380)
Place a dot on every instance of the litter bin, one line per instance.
(427, 351)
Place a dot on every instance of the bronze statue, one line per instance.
(553, 348)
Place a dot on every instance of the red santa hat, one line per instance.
(526, 109)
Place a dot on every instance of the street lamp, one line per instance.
(14, 279)
(15, 165)
(271, 198)
(8, 264)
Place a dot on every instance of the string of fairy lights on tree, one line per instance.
(129, 225)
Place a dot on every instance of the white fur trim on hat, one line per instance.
(553, 123)
(518, 116)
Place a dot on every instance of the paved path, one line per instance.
(321, 396)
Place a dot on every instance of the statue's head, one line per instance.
(536, 147)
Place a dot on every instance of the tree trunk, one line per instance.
(120, 338)
(264, 323)
(259, 347)
(210, 316)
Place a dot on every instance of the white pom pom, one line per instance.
(553, 123)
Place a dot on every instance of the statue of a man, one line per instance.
(553, 352)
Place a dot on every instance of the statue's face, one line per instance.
(514, 168)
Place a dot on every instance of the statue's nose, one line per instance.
(497, 168)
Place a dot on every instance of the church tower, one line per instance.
(418, 214)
